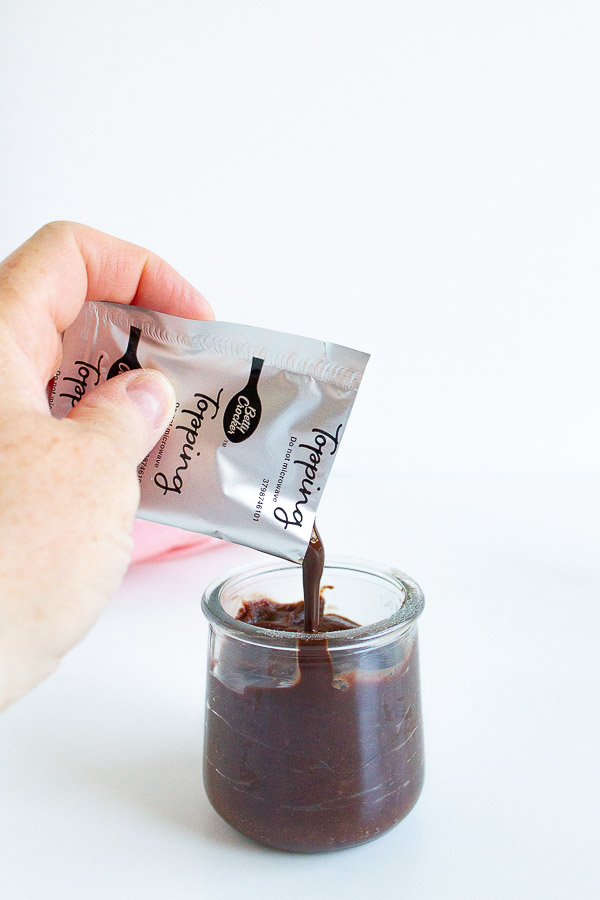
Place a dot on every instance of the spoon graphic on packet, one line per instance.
(244, 410)
(129, 360)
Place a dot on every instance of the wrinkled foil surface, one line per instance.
(260, 416)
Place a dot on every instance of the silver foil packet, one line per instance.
(260, 416)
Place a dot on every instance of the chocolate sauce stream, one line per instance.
(303, 616)
(312, 572)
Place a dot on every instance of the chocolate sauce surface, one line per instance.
(290, 616)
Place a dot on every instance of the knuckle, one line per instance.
(58, 231)
(56, 227)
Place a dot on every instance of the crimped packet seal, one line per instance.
(260, 416)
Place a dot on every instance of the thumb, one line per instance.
(132, 409)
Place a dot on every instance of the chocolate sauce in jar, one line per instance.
(313, 749)
(289, 616)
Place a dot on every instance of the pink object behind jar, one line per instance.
(152, 541)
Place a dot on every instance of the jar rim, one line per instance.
(409, 611)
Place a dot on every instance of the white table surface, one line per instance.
(100, 768)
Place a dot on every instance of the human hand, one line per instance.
(69, 489)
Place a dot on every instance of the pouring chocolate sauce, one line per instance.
(312, 573)
(306, 615)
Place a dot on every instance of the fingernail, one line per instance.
(154, 395)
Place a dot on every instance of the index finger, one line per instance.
(45, 282)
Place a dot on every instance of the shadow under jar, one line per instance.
(314, 741)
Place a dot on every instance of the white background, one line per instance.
(421, 181)
(418, 180)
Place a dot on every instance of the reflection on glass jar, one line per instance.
(314, 742)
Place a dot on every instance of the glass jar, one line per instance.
(314, 741)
